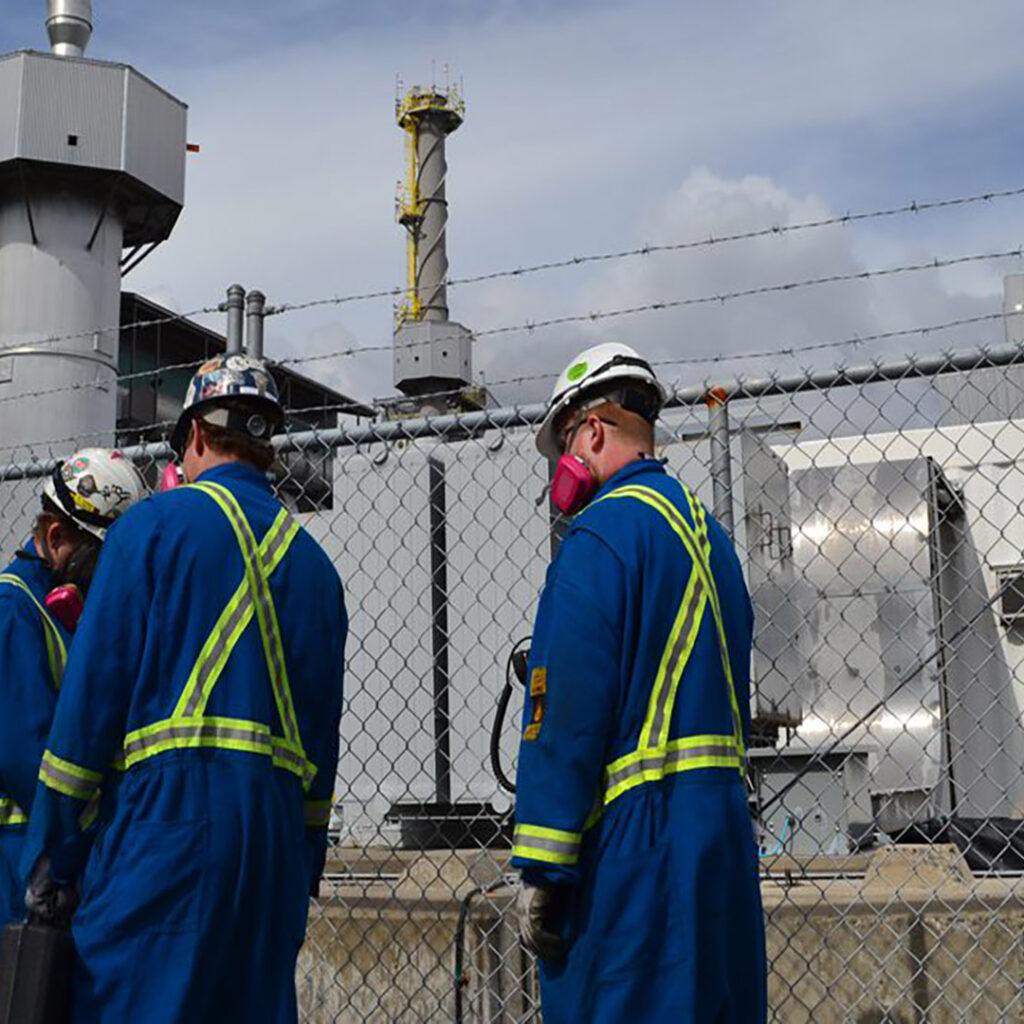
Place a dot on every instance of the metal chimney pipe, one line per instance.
(235, 308)
(69, 25)
(255, 303)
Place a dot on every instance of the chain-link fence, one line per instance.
(878, 515)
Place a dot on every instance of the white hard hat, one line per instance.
(93, 487)
(599, 365)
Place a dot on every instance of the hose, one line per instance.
(459, 978)
(516, 665)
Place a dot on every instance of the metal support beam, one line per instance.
(721, 458)
(255, 310)
(439, 628)
(235, 309)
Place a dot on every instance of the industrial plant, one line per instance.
(884, 562)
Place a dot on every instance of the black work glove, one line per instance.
(536, 906)
(47, 900)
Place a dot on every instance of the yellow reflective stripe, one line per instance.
(11, 813)
(56, 652)
(684, 531)
(653, 765)
(67, 778)
(266, 614)
(215, 732)
(551, 845)
(233, 622)
(674, 660)
(91, 812)
(700, 525)
(317, 813)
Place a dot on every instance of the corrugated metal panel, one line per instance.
(93, 115)
(154, 137)
(10, 103)
(72, 112)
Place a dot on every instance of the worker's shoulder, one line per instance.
(165, 507)
(315, 558)
(633, 506)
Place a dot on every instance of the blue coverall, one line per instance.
(29, 677)
(630, 796)
(201, 733)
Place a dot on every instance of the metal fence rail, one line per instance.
(877, 511)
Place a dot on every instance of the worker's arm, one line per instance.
(89, 723)
(323, 752)
(27, 696)
(572, 697)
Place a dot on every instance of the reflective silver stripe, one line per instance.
(525, 843)
(243, 608)
(65, 782)
(244, 531)
(56, 651)
(681, 650)
(547, 845)
(270, 555)
(11, 813)
(212, 664)
(670, 511)
(169, 734)
(283, 752)
(655, 760)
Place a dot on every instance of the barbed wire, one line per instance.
(529, 326)
(776, 230)
(720, 358)
(170, 318)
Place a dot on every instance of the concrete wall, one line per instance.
(909, 936)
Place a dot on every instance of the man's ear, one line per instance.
(196, 436)
(599, 433)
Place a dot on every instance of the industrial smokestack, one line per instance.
(69, 24)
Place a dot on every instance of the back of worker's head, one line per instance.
(600, 418)
(230, 413)
(80, 500)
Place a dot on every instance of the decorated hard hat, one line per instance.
(93, 487)
(595, 368)
(227, 377)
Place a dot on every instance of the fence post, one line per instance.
(721, 457)
(439, 628)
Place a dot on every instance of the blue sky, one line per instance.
(590, 126)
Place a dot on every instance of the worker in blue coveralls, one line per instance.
(201, 701)
(633, 838)
(41, 594)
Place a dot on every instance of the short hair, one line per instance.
(52, 514)
(241, 446)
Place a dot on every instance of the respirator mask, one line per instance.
(66, 601)
(574, 482)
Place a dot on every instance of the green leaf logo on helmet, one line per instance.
(576, 371)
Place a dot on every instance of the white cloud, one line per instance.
(584, 128)
(707, 205)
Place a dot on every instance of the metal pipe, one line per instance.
(235, 308)
(69, 26)
(721, 459)
(439, 628)
(255, 305)
(529, 415)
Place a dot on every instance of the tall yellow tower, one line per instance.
(432, 353)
